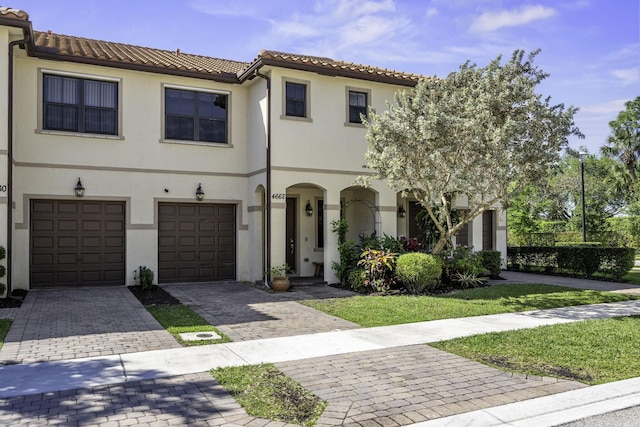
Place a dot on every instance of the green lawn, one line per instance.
(592, 352)
(5, 324)
(369, 311)
(265, 392)
(178, 319)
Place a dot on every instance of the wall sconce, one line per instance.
(402, 212)
(79, 189)
(308, 209)
(199, 193)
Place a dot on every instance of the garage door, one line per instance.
(196, 242)
(77, 243)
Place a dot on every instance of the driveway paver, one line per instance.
(243, 312)
(71, 323)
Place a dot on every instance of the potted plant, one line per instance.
(279, 280)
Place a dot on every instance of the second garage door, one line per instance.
(196, 242)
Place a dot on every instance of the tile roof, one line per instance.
(332, 64)
(79, 48)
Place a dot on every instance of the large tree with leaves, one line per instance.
(623, 144)
(480, 134)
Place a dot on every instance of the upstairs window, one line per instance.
(80, 105)
(296, 99)
(357, 106)
(195, 116)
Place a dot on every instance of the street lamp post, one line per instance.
(584, 223)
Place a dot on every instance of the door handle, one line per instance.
(292, 247)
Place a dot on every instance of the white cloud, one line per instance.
(491, 21)
(337, 28)
(605, 108)
(627, 76)
(431, 12)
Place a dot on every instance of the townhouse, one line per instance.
(115, 156)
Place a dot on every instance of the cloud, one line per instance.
(491, 21)
(431, 12)
(340, 27)
(627, 76)
(605, 108)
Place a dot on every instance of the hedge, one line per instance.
(580, 260)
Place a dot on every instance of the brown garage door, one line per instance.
(77, 243)
(196, 242)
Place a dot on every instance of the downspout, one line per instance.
(10, 164)
(267, 255)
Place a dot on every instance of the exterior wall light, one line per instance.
(309, 209)
(79, 189)
(199, 193)
(402, 212)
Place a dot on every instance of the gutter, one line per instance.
(10, 162)
(267, 222)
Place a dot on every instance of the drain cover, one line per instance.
(200, 336)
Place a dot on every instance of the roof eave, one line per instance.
(25, 25)
(44, 53)
(323, 70)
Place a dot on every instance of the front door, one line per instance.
(290, 243)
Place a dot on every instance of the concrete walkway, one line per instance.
(375, 376)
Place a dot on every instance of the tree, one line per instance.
(479, 134)
(623, 144)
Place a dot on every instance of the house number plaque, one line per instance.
(278, 196)
(3, 188)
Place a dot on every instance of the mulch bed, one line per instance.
(15, 300)
(153, 296)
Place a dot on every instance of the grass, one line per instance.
(369, 311)
(592, 352)
(5, 324)
(178, 319)
(633, 277)
(265, 392)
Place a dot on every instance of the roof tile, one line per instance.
(8, 12)
(332, 63)
(80, 47)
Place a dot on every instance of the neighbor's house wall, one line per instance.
(135, 167)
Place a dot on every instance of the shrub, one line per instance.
(347, 251)
(468, 280)
(418, 271)
(378, 266)
(357, 279)
(491, 261)
(461, 260)
(3, 270)
(579, 260)
(145, 275)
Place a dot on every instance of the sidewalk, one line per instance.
(362, 373)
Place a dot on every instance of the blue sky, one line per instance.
(590, 48)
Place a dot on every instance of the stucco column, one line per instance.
(278, 233)
(501, 235)
(476, 233)
(331, 254)
(387, 210)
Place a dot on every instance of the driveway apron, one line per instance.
(71, 323)
(244, 312)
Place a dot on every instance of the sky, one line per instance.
(590, 48)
